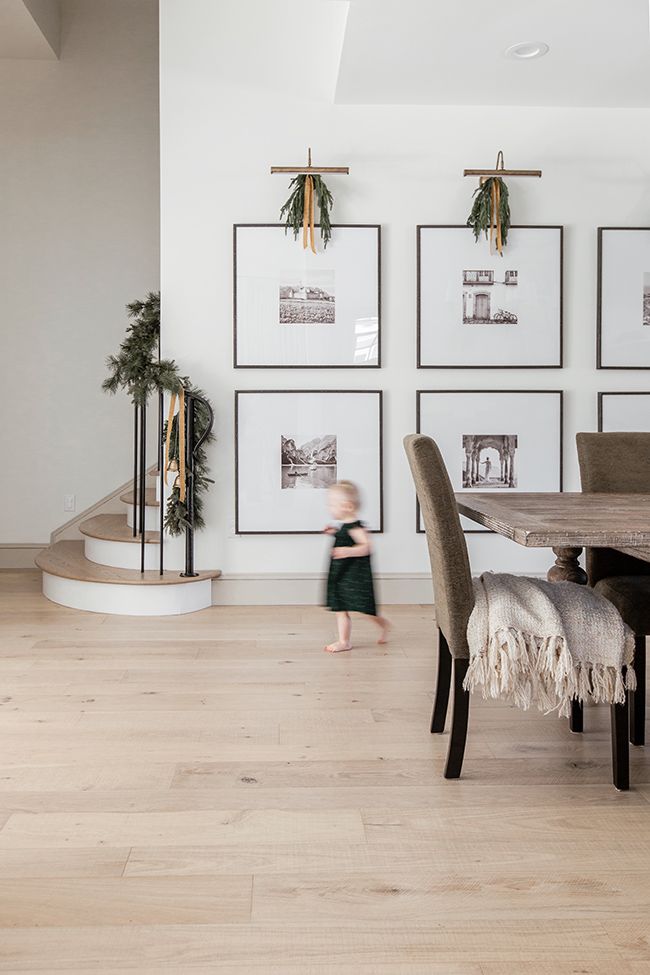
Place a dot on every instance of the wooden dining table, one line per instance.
(567, 523)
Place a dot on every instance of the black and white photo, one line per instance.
(623, 324)
(481, 310)
(307, 299)
(495, 440)
(490, 461)
(296, 309)
(489, 297)
(308, 463)
(291, 445)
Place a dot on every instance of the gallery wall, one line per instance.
(236, 98)
(79, 192)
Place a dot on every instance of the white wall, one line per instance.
(239, 92)
(79, 237)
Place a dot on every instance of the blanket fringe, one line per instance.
(524, 670)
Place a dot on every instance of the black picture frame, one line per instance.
(600, 364)
(339, 226)
(335, 392)
(528, 392)
(616, 392)
(421, 365)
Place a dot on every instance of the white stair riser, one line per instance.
(120, 600)
(122, 555)
(151, 517)
(126, 555)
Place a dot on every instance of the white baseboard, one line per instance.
(307, 589)
(20, 556)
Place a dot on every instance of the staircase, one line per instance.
(101, 572)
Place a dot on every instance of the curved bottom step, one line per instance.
(128, 600)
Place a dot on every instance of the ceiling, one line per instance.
(451, 52)
(29, 29)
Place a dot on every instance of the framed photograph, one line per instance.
(291, 445)
(478, 310)
(627, 411)
(297, 310)
(623, 298)
(495, 440)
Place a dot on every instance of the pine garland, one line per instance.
(137, 370)
(293, 211)
(491, 211)
(176, 520)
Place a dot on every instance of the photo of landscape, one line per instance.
(308, 464)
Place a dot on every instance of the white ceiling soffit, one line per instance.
(30, 29)
(451, 52)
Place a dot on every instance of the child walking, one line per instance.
(349, 583)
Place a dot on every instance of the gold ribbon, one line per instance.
(181, 444)
(308, 216)
(181, 440)
(170, 418)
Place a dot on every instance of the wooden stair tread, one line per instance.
(149, 498)
(113, 528)
(66, 559)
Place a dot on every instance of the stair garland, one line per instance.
(139, 371)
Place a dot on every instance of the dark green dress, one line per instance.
(349, 583)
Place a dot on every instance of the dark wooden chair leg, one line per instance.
(637, 698)
(460, 715)
(576, 718)
(620, 746)
(442, 687)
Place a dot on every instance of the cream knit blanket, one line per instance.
(546, 643)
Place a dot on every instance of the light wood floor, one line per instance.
(213, 794)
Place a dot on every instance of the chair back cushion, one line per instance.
(620, 463)
(452, 580)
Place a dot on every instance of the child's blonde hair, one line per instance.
(350, 491)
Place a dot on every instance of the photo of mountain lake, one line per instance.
(308, 463)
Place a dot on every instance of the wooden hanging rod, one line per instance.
(500, 170)
(342, 170)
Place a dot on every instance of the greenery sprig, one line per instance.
(293, 211)
(491, 211)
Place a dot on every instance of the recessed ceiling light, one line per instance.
(527, 50)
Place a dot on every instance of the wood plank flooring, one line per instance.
(214, 794)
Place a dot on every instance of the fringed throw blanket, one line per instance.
(546, 643)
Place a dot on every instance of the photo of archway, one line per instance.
(490, 461)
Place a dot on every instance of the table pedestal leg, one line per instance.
(567, 568)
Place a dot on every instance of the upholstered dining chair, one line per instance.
(454, 601)
(620, 462)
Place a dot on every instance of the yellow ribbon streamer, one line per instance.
(308, 222)
(170, 417)
(181, 445)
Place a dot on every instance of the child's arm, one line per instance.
(360, 548)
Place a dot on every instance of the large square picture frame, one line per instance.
(293, 309)
(477, 310)
(623, 313)
(291, 444)
(495, 441)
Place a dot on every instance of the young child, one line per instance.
(349, 583)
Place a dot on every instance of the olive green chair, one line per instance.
(454, 601)
(620, 462)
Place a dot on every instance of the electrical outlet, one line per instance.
(69, 502)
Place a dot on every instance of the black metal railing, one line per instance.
(140, 476)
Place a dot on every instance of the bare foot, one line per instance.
(337, 647)
(385, 626)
